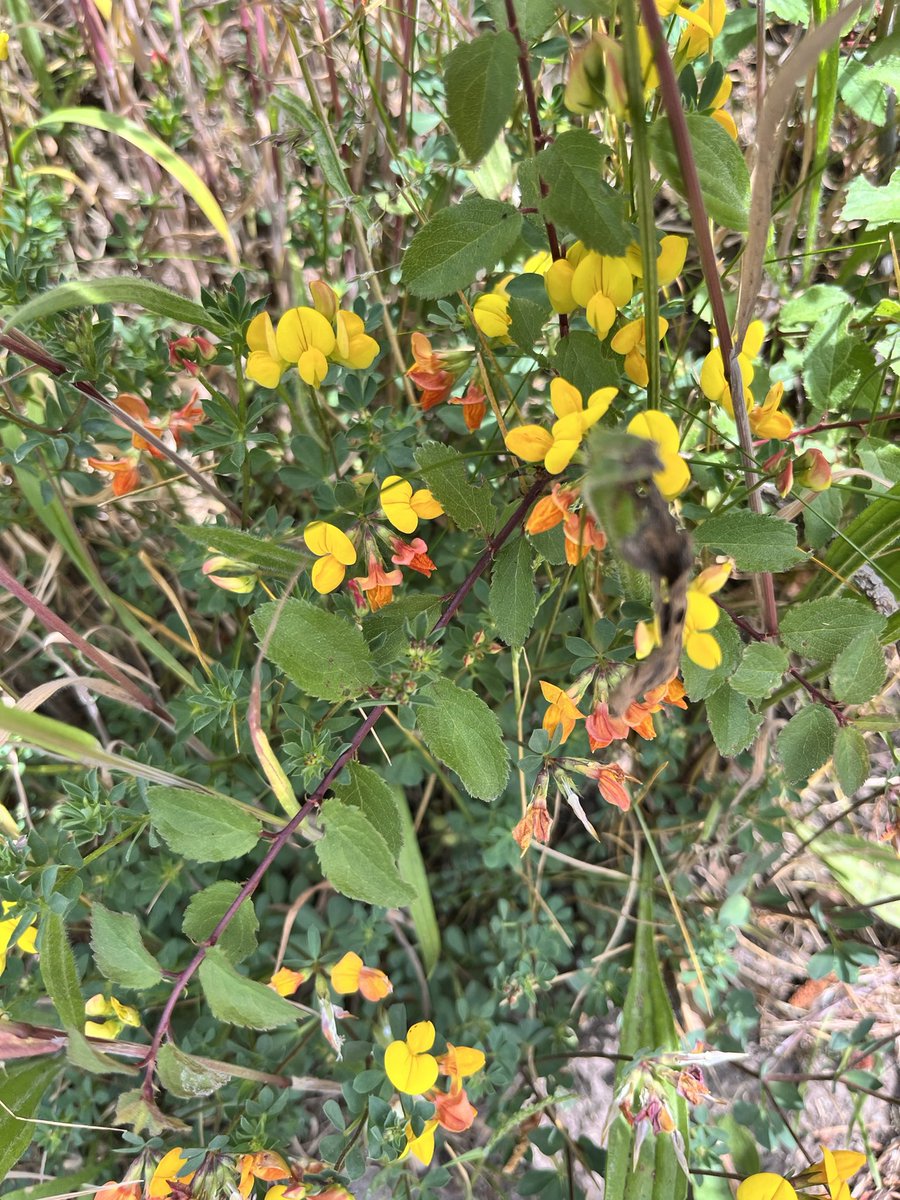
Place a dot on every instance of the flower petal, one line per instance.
(529, 442)
(327, 574)
(324, 538)
(345, 974)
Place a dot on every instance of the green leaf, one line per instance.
(867, 871)
(86, 1057)
(206, 909)
(587, 363)
(877, 205)
(513, 600)
(578, 198)
(266, 555)
(386, 629)
(21, 1087)
(761, 670)
(534, 17)
(413, 872)
(837, 363)
(59, 973)
(367, 791)
(202, 828)
(806, 742)
(240, 1001)
(119, 952)
(811, 304)
(444, 470)
(112, 290)
(185, 1076)
(700, 683)
(459, 729)
(181, 172)
(859, 671)
(480, 79)
(134, 1109)
(732, 721)
(876, 529)
(754, 541)
(821, 629)
(724, 180)
(324, 654)
(851, 760)
(822, 516)
(648, 1024)
(456, 244)
(355, 858)
(527, 319)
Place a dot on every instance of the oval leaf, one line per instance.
(355, 859)
(119, 951)
(480, 80)
(459, 729)
(185, 1076)
(59, 973)
(456, 244)
(240, 1001)
(323, 654)
(806, 742)
(724, 180)
(202, 828)
(205, 911)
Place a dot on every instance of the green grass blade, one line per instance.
(112, 290)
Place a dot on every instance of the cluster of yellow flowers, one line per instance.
(832, 1172)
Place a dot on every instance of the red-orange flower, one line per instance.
(429, 373)
(185, 418)
(474, 403)
(603, 729)
(265, 1165)
(136, 407)
(609, 779)
(186, 353)
(671, 693)
(120, 1191)
(551, 510)
(582, 535)
(126, 474)
(453, 1110)
(378, 584)
(639, 717)
(413, 555)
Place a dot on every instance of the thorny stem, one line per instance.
(315, 798)
(537, 135)
(814, 692)
(672, 102)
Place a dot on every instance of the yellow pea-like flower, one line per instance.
(408, 1065)
(334, 553)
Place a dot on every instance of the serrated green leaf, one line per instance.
(21, 1087)
(578, 198)
(367, 791)
(513, 600)
(755, 542)
(867, 871)
(444, 470)
(456, 244)
(322, 653)
(859, 671)
(355, 858)
(732, 721)
(724, 180)
(806, 742)
(761, 670)
(700, 683)
(86, 1057)
(134, 1109)
(59, 973)
(185, 1076)
(876, 205)
(119, 952)
(459, 729)
(267, 556)
(851, 760)
(200, 827)
(125, 290)
(587, 363)
(821, 629)
(206, 909)
(534, 17)
(527, 319)
(241, 1001)
(838, 362)
(807, 307)
(480, 79)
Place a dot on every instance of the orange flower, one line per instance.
(551, 510)
(562, 712)
(285, 981)
(474, 404)
(120, 1191)
(350, 975)
(378, 584)
(185, 418)
(639, 717)
(136, 407)
(126, 474)
(430, 373)
(459, 1062)
(535, 825)
(582, 536)
(453, 1110)
(609, 780)
(604, 729)
(671, 693)
(413, 555)
(264, 1164)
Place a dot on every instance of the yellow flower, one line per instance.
(403, 507)
(263, 1164)
(768, 421)
(491, 313)
(264, 365)
(766, 1186)
(835, 1167)
(350, 975)
(4, 47)
(555, 447)
(558, 282)
(668, 8)
(631, 342)
(703, 615)
(657, 427)
(285, 981)
(408, 1065)
(421, 1147)
(669, 261)
(306, 338)
(713, 383)
(563, 712)
(698, 40)
(538, 263)
(354, 348)
(119, 1016)
(602, 285)
(166, 1171)
(460, 1062)
(334, 551)
(718, 113)
(27, 939)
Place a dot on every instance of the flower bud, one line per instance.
(324, 299)
(813, 470)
